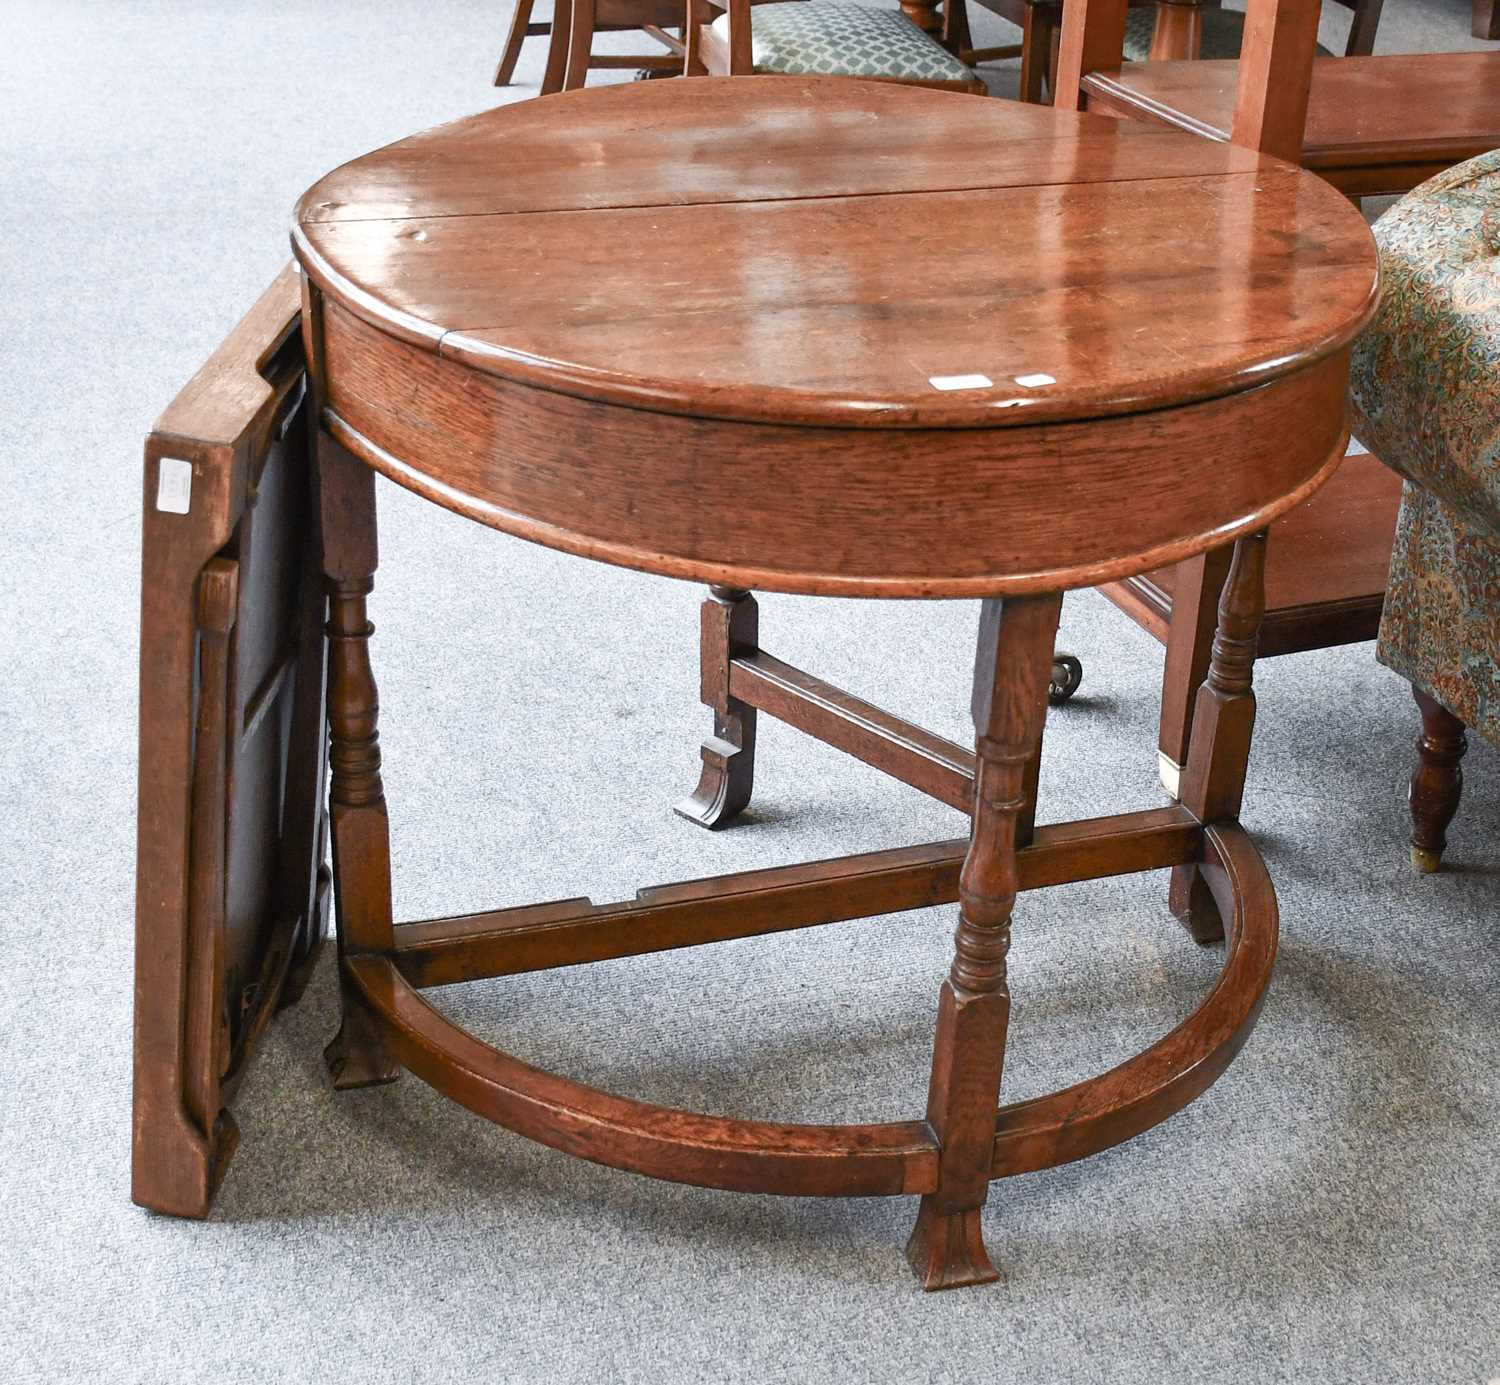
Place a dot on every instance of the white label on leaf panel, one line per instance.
(1032, 382)
(174, 485)
(960, 382)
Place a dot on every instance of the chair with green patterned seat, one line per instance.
(819, 38)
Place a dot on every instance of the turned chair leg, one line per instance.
(1011, 671)
(730, 623)
(1437, 783)
(357, 1057)
(1213, 780)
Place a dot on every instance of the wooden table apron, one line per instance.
(832, 338)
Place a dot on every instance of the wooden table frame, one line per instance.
(950, 1156)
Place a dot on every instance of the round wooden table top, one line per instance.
(834, 336)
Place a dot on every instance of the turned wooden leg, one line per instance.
(925, 14)
(1178, 33)
(1437, 783)
(520, 27)
(730, 626)
(1011, 670)
(1213, 781)
(357, 815)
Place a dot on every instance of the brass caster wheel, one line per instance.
(1067, 674)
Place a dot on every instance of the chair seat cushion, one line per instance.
(822, 38)
(1425, 390)
(1425, 375)
(1222, 32)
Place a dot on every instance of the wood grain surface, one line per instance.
(801, 273)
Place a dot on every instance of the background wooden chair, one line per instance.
(1369, 124)
(1372, 125)
(1155, 30)
(570, 54)
(826, 38)
(1425, 385)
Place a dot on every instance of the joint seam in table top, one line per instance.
(1268, 166)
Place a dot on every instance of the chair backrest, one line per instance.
(1275, 66)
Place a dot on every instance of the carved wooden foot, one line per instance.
(947, 1250)
(1213, 780)
(357, 813)
(1437, 784)
(1011, 670)
(357, 1056)
(730, 625)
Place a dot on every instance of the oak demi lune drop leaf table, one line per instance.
(907, 344)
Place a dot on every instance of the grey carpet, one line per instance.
(1327, 1213)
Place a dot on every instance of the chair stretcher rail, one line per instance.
(901, 749)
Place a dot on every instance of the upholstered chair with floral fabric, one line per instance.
(1426, 393)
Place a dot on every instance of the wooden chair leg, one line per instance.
(925, 15)
(1054, 55)
(1213, 782)
(1196, 585)
(730, 625)
(520, 26)
(1486, 19)
(1036, 54)
(1178, 33)
(580, 43)
(557, 49)
(1011, 670)
(357, 813)
(956, 36)
(1437, 783)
